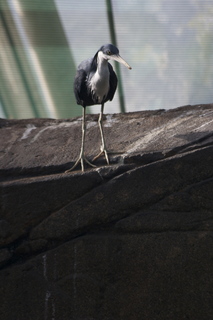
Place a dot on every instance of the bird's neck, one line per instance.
(102, 63)
(99, 82)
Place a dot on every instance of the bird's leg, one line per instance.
(103, 145)
(82, 157)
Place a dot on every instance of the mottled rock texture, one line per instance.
(132, 240)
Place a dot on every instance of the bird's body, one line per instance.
(95, 83)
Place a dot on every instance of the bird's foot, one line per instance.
(102, 152)
(106, 153)
(81, 160)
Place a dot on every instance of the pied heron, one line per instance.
(95, 83)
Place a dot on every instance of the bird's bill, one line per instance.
(121, 60)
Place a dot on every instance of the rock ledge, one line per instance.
(132, 240)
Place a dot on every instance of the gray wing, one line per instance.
(113, 81)
(82, 94)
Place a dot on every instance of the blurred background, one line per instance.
(168, 43)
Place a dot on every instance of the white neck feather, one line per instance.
(99, 83)
(102, 63)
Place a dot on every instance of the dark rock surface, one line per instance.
(132, 240)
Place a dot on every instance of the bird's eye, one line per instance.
(108, 52)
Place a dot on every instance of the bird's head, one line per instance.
(110, 52)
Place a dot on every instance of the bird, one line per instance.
(95, 83)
